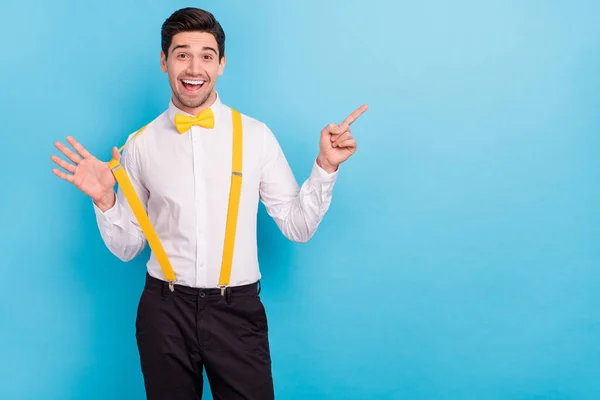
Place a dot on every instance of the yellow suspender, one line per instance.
(235, 189)
(232, 212)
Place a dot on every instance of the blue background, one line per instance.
(460, 256)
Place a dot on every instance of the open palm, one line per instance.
(90, 175)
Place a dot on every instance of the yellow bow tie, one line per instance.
(205, 119)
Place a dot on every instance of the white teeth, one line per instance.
(193, 82)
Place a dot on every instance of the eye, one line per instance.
(182, 55)
(208, 57)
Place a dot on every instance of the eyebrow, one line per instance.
(187, 46)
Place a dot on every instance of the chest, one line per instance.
(181, 167)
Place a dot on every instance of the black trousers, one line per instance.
(181, 333)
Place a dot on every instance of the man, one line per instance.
(184, 173)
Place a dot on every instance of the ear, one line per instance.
(221, 65)
(163, 61)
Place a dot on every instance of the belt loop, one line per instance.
(162, 291)
(259, 288)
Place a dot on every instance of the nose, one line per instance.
(195, 67)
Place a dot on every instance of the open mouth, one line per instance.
(192, 85)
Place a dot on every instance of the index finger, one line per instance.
(354, 116)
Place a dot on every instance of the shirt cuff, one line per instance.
(109, 216)
(323, 176)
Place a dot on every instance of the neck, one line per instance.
(196, 110)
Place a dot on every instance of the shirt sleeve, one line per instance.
(297, 210)
(118, 226)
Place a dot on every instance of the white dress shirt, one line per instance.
(183, 182)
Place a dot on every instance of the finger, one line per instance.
(336, 136)
(115, 153)
(347, 135)
(78, 147)
(62, 175)
(348, 143)
(331, 129)
(67, 166)
(354, 116)
(67, 152)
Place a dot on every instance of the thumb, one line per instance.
(115, 153)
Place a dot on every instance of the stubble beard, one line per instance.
(191, 103)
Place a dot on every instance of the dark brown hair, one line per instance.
(191, 19)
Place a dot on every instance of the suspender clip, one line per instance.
(116, 167)
(171, 286)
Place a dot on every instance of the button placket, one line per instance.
(201, 271)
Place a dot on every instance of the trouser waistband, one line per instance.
(251, 289)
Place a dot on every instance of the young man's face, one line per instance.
(192, 65)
